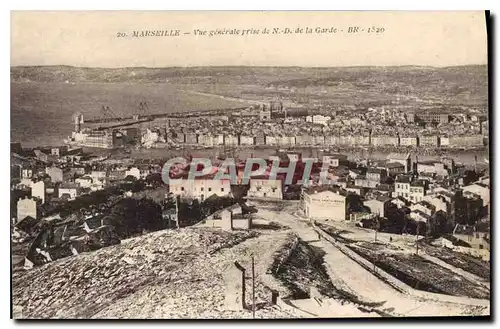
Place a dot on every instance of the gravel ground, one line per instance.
(167, 274)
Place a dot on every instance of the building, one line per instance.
(479, 189)
(206, 140)
(57, 174)
(191, 139)
(428, 140)
(362, 181)
(265, 114)
(402, 187)
(318, 119)
(26, 207)
(231, 140)
(464, 141)
(403, 159)
(84, 181)
(94, 138)
(230, 218)
(376, 175)
(325, 204)
(98, 175)
(335, 159)
(304, 140)
(201, 188)
(395, 168)
(433, 168)
(134, 172)
(433, 117)
(38, 191)
(263, 188)
(408, 141)
(26, 173)
(418, 190)
(384, 140)
(378, 206)
(439, 202)
(424, 206)
(69, 191)
(247, 140)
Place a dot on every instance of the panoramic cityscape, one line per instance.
(250, 191)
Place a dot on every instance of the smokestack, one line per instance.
(77, 123)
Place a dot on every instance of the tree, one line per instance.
(149, 214)
(130, 178)
(124, 219)
(154, 179)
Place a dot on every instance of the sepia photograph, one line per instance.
(250, 165)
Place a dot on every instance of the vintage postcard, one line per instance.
(249, 165)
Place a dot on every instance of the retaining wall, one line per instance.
(394, 282)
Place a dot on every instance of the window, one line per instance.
(182, 188)
(222, 189)
(209, 189)
(201, 189)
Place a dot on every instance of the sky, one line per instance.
(89, 39)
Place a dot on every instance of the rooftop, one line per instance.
(323, 188)
(398, 156)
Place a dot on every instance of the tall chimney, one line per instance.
(77, 121)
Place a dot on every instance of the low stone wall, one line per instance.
(483, 253)
(287, 255)
(394, 282)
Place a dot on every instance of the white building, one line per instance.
(26, 173)
(479, 189)
(402, 188)
(318, 119)
(26, 207)
(376, 206)
(134, 172)
(71, 191)
(408, 141)
(432, 167)
(98, 175)
(414, 191)
(418, 191)
(84, 181)
(335, 160)
(439, 202)
(201, 189)
(38, 190)
(327, 205)
(403, 159)
(266, 189)
(56, 174)
(149, 138)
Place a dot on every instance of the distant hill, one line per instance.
(296, 76)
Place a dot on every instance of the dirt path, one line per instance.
(350, 276)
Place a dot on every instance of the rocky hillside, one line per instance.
(166, 274)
